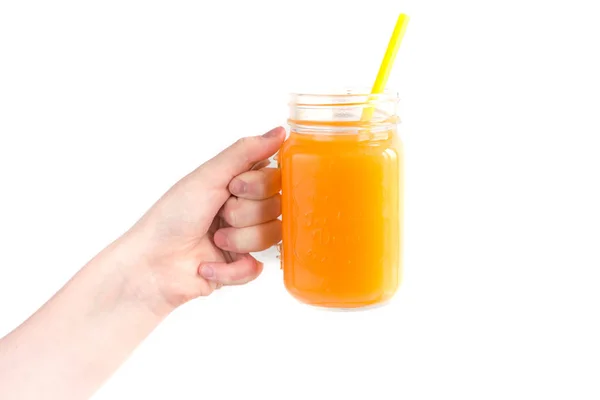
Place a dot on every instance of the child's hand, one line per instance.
(198, 235)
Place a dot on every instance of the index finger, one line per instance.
(244, 153)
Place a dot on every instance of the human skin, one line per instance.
(194, 239)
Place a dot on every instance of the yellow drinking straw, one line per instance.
(388, 62)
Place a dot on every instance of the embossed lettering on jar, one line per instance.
(342, 200)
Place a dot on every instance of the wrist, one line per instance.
(138, 283)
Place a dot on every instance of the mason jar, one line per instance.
(342, 192)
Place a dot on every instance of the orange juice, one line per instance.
(341, 209)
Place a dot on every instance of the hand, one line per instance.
(197, 237)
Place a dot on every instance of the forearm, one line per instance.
(71, 345)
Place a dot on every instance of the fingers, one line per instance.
(241, 213)
(249, 239)
(245, 153)
(256, 185)
(243, 270)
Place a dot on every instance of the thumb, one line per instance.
(243, 154)
(243, 270)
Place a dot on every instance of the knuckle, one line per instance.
(261, 188)
(262, 183)
(231, 217)
(230, 211)
(242, 141)
(245, 142)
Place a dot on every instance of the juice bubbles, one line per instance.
(341, 201)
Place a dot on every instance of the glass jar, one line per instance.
(342, 189)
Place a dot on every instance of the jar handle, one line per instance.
(275, 252)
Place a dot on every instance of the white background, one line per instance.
(103, 105)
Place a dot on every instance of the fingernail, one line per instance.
(207, 271)
(238, 186)
(272, 133)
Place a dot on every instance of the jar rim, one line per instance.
(344, 96)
